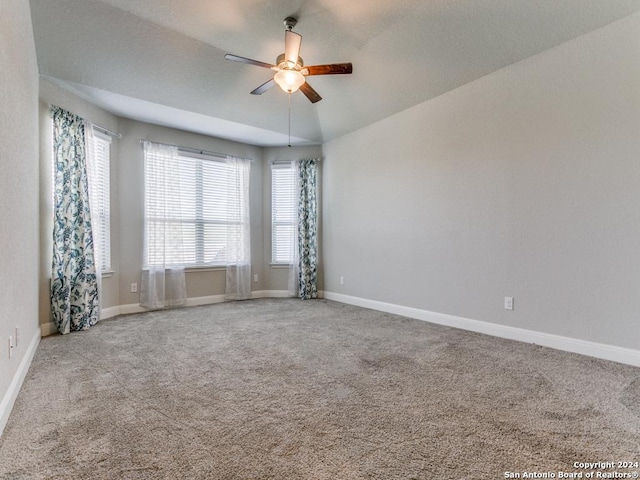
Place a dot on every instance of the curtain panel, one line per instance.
(303, 278)
(238, 275)
(162, 283)
(74, 277)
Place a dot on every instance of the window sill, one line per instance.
(204, 269)
(280, 265)
(107, 274)
(197, 269)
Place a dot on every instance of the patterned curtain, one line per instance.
(307, 261)
(74, 285)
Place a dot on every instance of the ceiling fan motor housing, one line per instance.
(282, 63)
(290, 23)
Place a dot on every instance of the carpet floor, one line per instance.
(290, 389)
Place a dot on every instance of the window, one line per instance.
(283, 213)
(98, 155)
(98, 160)
(207, 214)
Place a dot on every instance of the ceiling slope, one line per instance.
(162, 61)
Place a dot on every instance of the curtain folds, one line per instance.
(238, 276)
(162, 283)
(74, 278)
(303, 278)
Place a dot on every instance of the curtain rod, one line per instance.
(106, 131)
(198, 151)
(286, 162)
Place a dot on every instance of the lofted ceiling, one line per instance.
(162, 61)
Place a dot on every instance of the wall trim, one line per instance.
(584, 347)
(47, 329)
(16, 383)
(270, 294)
(109, 312)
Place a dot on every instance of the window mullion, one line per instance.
(199, 224)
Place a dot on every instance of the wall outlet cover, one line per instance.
(508, 303)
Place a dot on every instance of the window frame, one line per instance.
(196, 217)
(287, 204)
(104, 224)
(103, 216)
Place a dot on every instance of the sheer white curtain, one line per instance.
(163, 281)
(238, 279)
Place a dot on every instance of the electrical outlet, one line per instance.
(508, 303)
(134, 288)
(341, 280)
(10, 347)
(255, 277)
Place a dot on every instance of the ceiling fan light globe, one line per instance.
(289, 80)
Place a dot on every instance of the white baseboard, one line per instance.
(574, 345)
(47, 329)
(270, 294)
(14, 387)
(109, 312)
(277, 294)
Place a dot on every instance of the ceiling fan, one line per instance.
(290, 71)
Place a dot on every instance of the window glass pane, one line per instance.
(283, 213)
(207, 202)
(215, 244)
(98, 159)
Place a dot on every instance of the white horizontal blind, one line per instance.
(206, 213)
(100, 198)
(283, 213)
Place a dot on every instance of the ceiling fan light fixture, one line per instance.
(289, 80)
(290, 71)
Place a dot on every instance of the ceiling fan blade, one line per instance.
(292, 41)
(248, 61)
(331, 69)
(264, 87)
(310, 93)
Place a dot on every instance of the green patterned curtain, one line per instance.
(308, 229)
(74, 285)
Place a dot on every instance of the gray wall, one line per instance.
(129, 234)
(18, 186)
(525, 183)
(127, 201)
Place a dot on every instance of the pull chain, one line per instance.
(289, 119)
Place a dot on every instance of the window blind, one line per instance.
(283, 213)
(100, 198)
(206, 211)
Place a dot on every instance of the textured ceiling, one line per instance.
(162, 61)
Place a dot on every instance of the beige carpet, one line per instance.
(290, 389)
